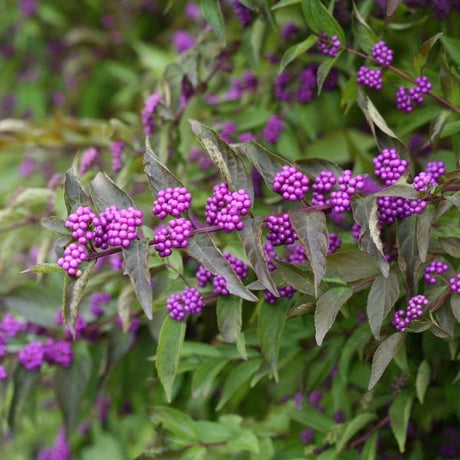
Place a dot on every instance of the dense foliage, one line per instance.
(230, 229)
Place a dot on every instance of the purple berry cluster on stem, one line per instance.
(243, 14)
(370, 77)
(382, 54)
(116, 149)
(284, 292)
(280, 230)
(174, 236)
(32, 356)
(389, 167)
(405, 97)
(272, 129)
(172, 201)
(328, 46)
(189, 302)
(454, 283)
(414, 311)
(424, 182)
(291, 184)
(435, 267)
(148, 111)
(238, 266)
(74, 255)
(80, 222)
(435, 169)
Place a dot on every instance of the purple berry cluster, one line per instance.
(389, 167)
(424, 182)
(272, 129)
(172, 201)
(203, 276)
(238, 266)
(285, 292)
(74, 255)
(225, 208)
(348, 186)
(10, 327)
(80, 222)
(334, 243)
(323, 184)
(116, 149)
(435, 169)
(243, 14)
(89, 158)
(372, 78)
(307, 85)
(175, 235)
(391, 208)
(58, 352)
(98, 299)
(290, 30)
(32, 356)
(182, 41)
(436, 267)
(116, 227)
(454, 283)
(295, 254)
(280, 230)
(405, 97)
(414, 310)
(382, 54)
(291, 184)
(328, 46)
(148, 111)
(189, 302)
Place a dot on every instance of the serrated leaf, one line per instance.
(373, 116)
(297, 50)
(105, 193)
(238, 376)
(170, 342)
(421, 56)
(213, 16)
(382, 296)
(424, 224)
(158, 175)
(74, 193)
(289, 274)
(251, 237)
(43, 268)
(365, 214)
(319, 19)
(205, 375)
(177, 422)
(384, 354)
(399, 416)
(270, 325)
(202, 248)
(323, 71)
(55, 225)
(229, 320)
(312, 232)
(230, 165)
(136, 266)
(422, 380)
(70, 384)
(352, 427)
(124, 301)
(327, 308)
(401, 190)
(408, 254)
(352, 265)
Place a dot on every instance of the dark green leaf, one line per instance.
(289, 274)
(245, 441)
(451, 246)
(365, 214)
(402, 190)
(424, 223)
(173, 76)
(452, 46)
(310, 417)
(297, 50)
(385, 352)
(226, 160)
(70, 384)
(422, 54)
(323, 71)
(202, 248)
(327, 308)
(365, 36)
(205, 375)
(399, 416)
(213, 16)
(382, 296)
(354, 426)
(170, 342)
(437, 125)
(392, 5)
(370, 448)
(213, 432)
(450, 82)
(43, 268)
(320, 20)
(422, 380)
(124, 302)
(284, 3)
(352, 265)
(270, 325)
(238, 376)
(313, 166)
(251, 237)
(349, 95)
(74, 193)
(56, 225)
(135, 265)
(455, 199)
(229, 320)
(455, 306)
(177, 422)
(105, 193)
(312, 232)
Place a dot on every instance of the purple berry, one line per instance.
(280, 230)
(189, 302)
(403, 100)
(203, 276)
(307, 85)
(295, 254)
(88, 159)
(291, 184)
(423, 85)
(435, 169)
(369, 77)
(290, 30)
(272, 129)
(32, 356)
(435, 267)
(176, 235)
(424, 182)
(116, 149)
(10, 326)
(243, 14)
(282, 92)
(285, 291)
(402, 318)
(328, 46)
(58, 352)
(238, 266)
(148, 111)
(74, 255)
(80, 222)
(389, 167)
(334, 243)
(454, 283)
(98, 299)
(183, 41)
(172, 201)
(382, 54)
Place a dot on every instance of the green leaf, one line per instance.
(385, 352)
(74, 193)
(314, 166)
(455, 307)
(437, 125)
(354, 426)
(399, 416)
(451, 246)
(408, 253)
(422, 54)
(238, 376)
(424, 224)
(320, 20)
(170, 342)
(455, 199)
(136, 266)
(452, 46)
(270, 325)
(382, 296)
(392, 5)
(173, 76)
(213, 16)
(55, 225)
(251, 237)
(365, 214)
(226, 160)
(450, 82)
(284, 3)
(73, 295)
(229, 320)
(370, 448)
(245, 441)
(289, 274)
(352, 265)
(70, 384)
(422, 380)
(401, 190)
(202, 248)
(364, 35)
(312, 232)
(310, 417)
(211, 432)
(327, 308)
(105, 193)
(323, 71)
(124, 301)
(177, 422)
(195, 453)
(158, 175)
(297, 50)
(43, 268)
(349, 95)
(205, 375)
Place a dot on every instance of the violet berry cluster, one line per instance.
(435, 267)
(454, 283)
(80, 222)
(424, 182)
(414, 311)
(291, 184)
(389, 167)
(372, 78)
(148, 111)
(173, 236)
(273, 129)
(280, 230)
(382, 54)
(328, 46)
(172, 202)
(284, 292)
(225, 208)
(405, 97)
(190, 302)
(74, 255)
